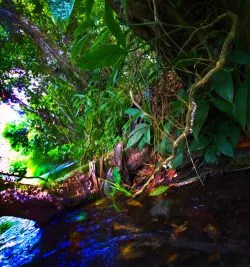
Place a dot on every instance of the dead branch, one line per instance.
(21, 176)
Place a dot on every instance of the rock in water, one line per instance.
(161, 208)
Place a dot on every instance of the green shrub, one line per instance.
(19, 167)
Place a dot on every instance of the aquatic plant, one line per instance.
(4, 226)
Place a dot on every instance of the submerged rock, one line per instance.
(161, 208)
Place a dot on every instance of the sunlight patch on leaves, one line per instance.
(159, 190)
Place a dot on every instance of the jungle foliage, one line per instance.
(93, 73)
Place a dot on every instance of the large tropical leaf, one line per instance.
(210, 154)
(136, 137)
(83, 28)
(101, 39)
(165, 145)
(138, 127)
(133, 111)
(186, 59)
(103, 56)
(61, 9)
(147, 136)
(241, 98)
(234, 136)
(113, 25)
(223, 105)
(199, 144)
(223, 84)
(77, 48)
(177, 161)
(239, 57)
(89, 6)
(224, 146)
(200, 116)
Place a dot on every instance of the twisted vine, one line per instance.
(192, 90)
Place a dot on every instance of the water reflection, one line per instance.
(18, 240)
(85, 238)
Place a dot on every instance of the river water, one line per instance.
(195, 227)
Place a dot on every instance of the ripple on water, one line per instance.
(18, 241)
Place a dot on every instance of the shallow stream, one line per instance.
(192, 226)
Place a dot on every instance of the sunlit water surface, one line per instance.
(18, 244)
(98, 235)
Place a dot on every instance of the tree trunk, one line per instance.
(50, 50)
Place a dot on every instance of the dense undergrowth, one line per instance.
(95, 79)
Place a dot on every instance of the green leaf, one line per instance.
(142, 143)
(224, 146)
(239, 57)
(177, 161)
(76, 49)
(159, 190)
(116, 175)
(223, 84)
(147, 136)
(186, 62)
(83, 28)
(61, 9)
(3, 32)
(200, 116)
(223, 130)
(201, 143)
(139, 127)
(241, 99)
(89, 6)
(162, 147)
(178, 108)
(103, 56)
(135, 138)
(165, 146)
(116, 206)
(113, 25)
(145, 139)
(133, 111)
(168, 127)
(124, 190)
(234, 136)
(210, 154)
(101, 39)
(185, 59)
(223, 105)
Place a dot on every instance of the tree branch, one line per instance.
(22, 176)
(48, 46)
(192, 90)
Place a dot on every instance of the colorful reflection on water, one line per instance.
(18, 241)
(84, 238)
(97, 235)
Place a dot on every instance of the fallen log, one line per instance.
(41, 203)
